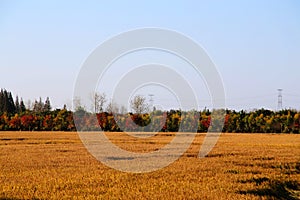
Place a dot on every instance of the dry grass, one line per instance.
(55, 165)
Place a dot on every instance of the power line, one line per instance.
(230, 99)
(292, 95)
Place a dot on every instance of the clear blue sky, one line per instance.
(255, 44)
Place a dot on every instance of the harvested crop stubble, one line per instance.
(56, 165)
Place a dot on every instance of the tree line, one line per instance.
(15, 116)
(258, 121)
(8, 105)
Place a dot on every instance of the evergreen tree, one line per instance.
(22, 106)
(47, 105)
(7, 102)
(18, 109)
(1, 101)
(11, 108)
(35, 106)
(38, 105)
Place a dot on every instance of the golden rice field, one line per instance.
(56, 165)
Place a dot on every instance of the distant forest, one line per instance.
(14, 116)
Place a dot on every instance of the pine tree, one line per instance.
(38, 105)
(11, 108)
(5, 101)
(1, 101)
(35, 106)
(18, 109)
(47, 105)
(22, 106)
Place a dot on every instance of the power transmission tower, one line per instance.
(279, 106)
(151, 100)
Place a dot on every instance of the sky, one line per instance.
(255, 45)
